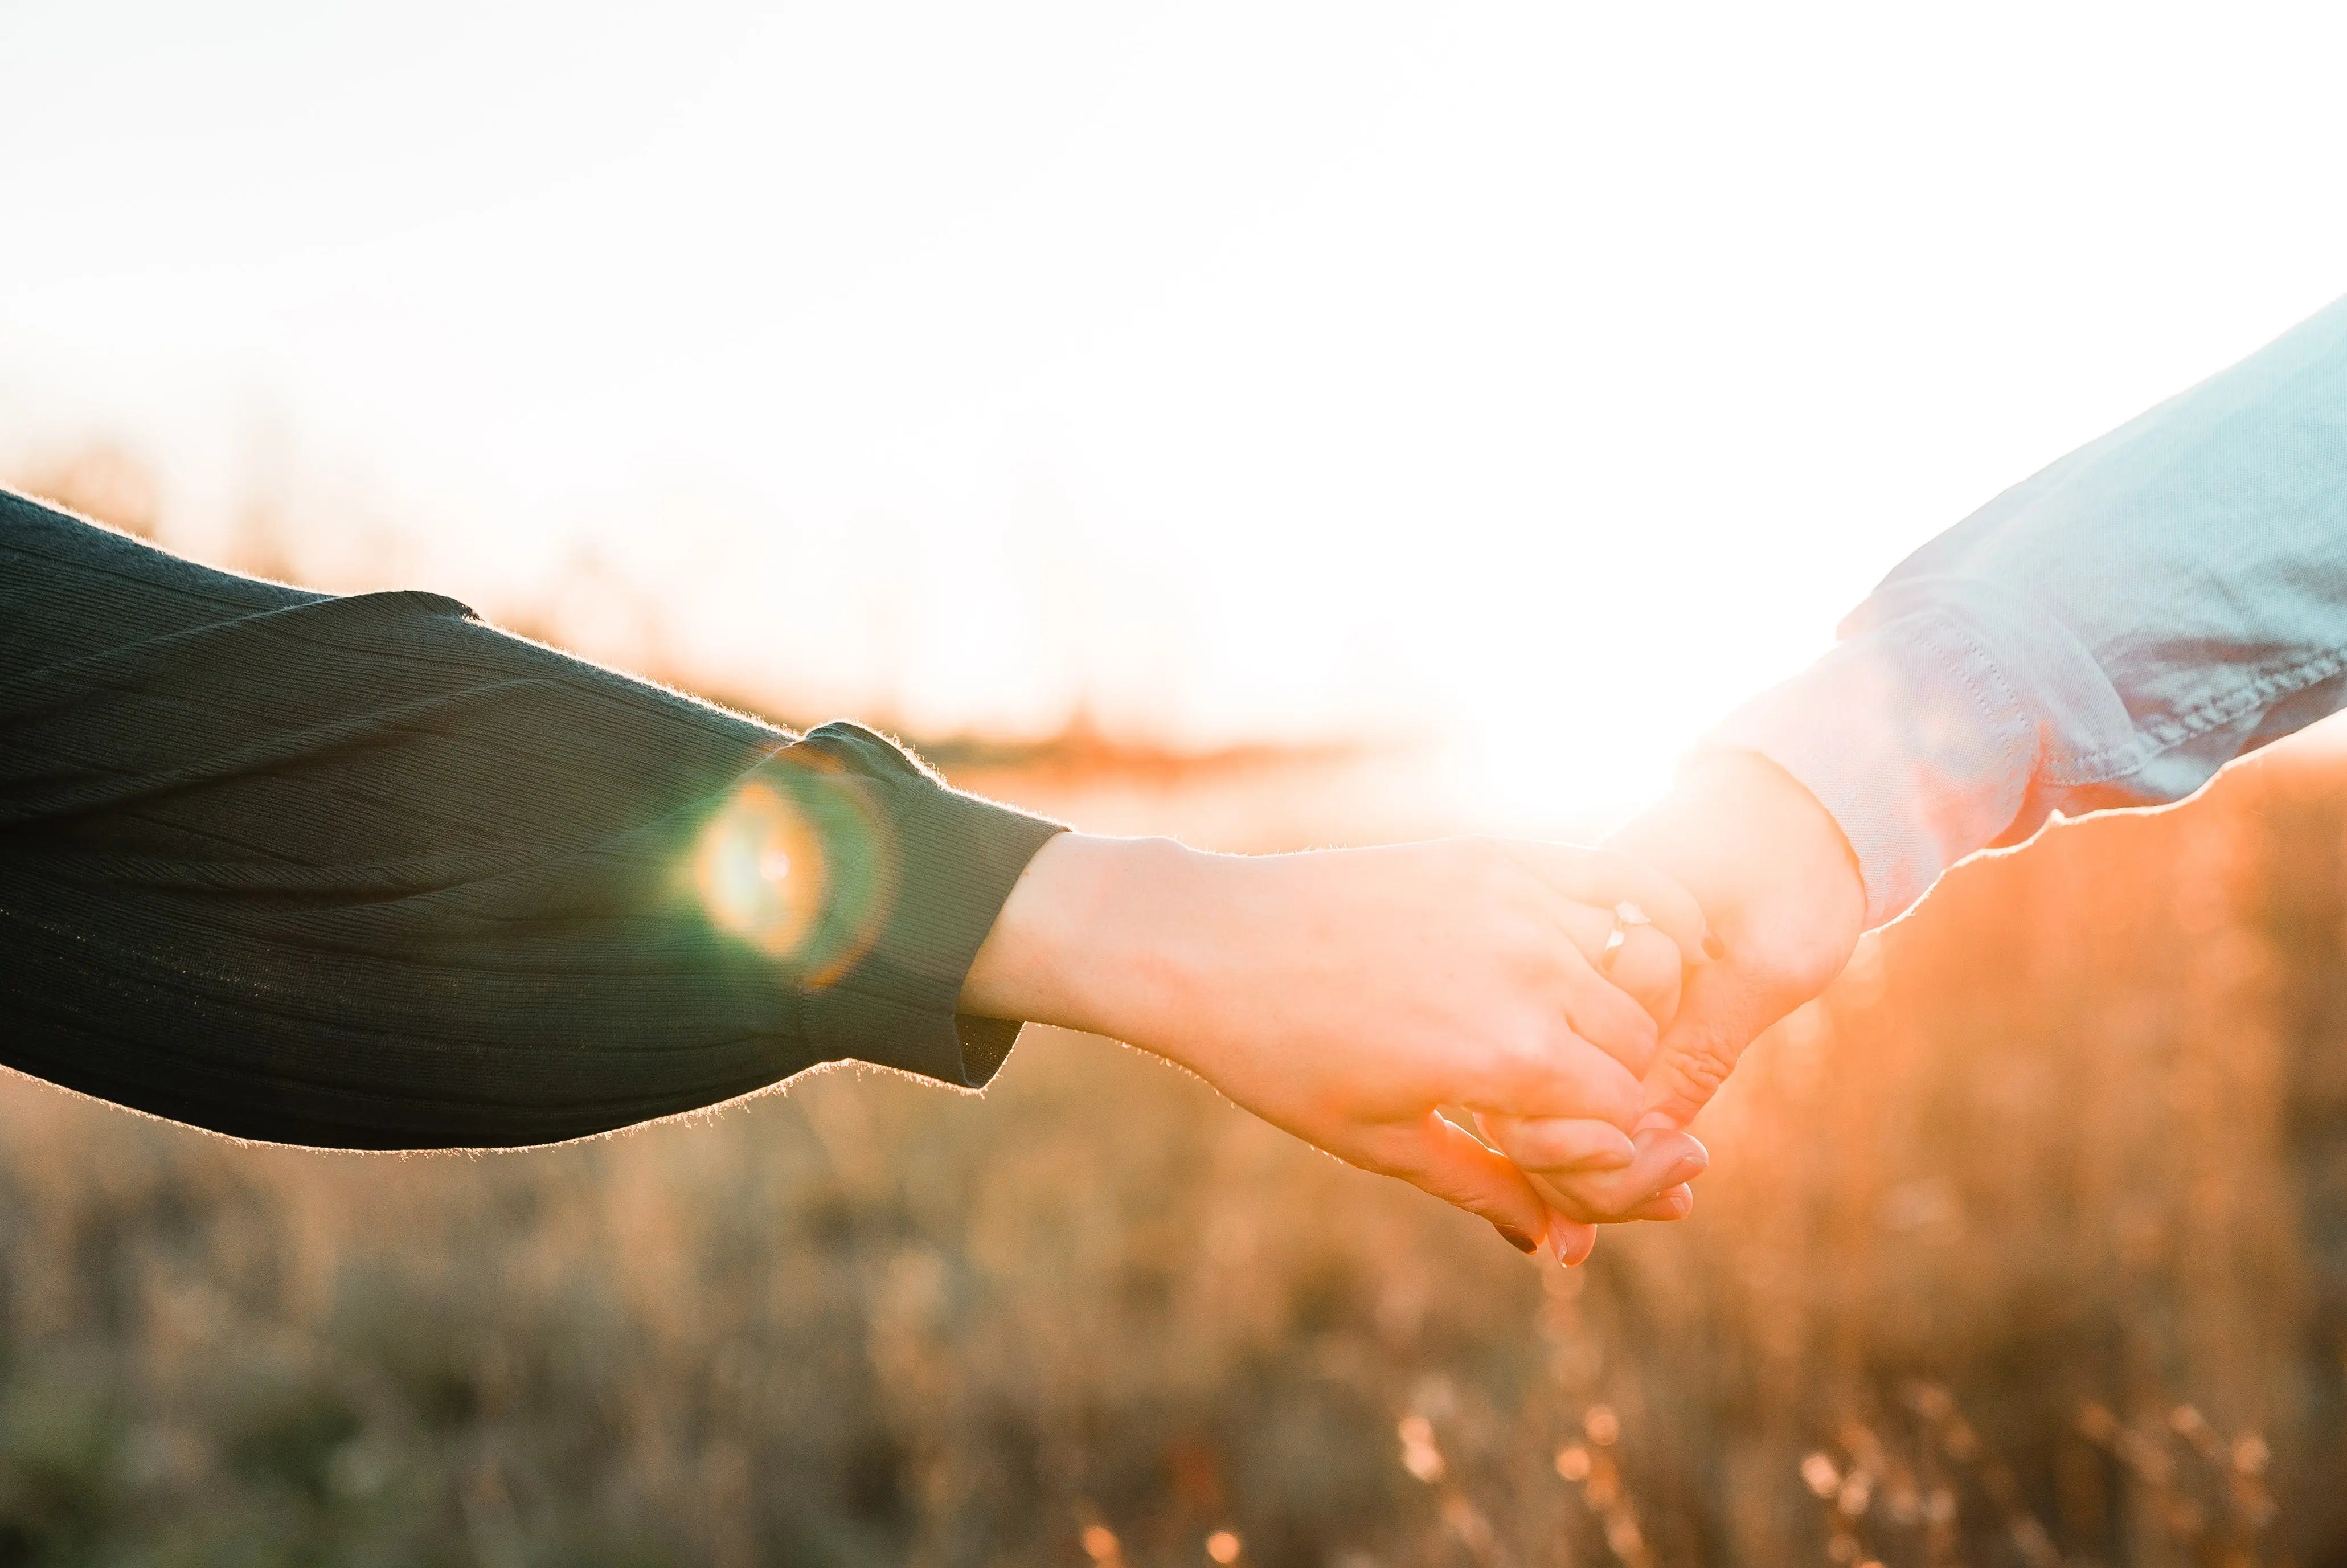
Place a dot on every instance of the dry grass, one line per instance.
(2020, 1249)
(2028, 1244)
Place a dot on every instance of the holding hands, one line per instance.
(1347, 996)
(1780, 888)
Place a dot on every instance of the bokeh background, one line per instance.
(1272, 426)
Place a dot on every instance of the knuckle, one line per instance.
(1518, 1060)
(1704, 1065)
(1553, 1042)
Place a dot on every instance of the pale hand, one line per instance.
(1345, 994)
(1781, 889)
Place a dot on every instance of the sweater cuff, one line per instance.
(1909, 735)
(952, 860)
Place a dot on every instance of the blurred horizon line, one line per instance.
(103, 482)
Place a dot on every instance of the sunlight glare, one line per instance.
(1552, 377)
(761, 872)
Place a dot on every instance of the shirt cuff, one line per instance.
(1911, 736)
(952, 859)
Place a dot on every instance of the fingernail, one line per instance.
(1712, 945)
(1687, 1170)
(1516, 1238)
(1556, 1245)
(1656, 1122)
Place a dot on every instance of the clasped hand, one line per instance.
(1351, 997)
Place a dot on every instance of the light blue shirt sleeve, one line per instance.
(2107, 634)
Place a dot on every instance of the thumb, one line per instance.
(1719, 1016)
(1446, 1160)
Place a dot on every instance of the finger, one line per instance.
(1718, 1018)
(1610, 1018)
(1562, 1144)
(1647, 968)
(1557, 1074)
(1607, 877)
(1665, 1159)
(1570, 1240)
(1443, 1158)
(1674, 1204)
(1623, 1011)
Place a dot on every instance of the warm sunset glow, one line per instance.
(1527, 381)
(1271, 427)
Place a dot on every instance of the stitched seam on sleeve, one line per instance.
(2261, 692)
(2153, 740)
(1981, 661)
(2147, 742)
(2102, 765)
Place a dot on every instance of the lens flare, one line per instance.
(762, 871)
(797, 863)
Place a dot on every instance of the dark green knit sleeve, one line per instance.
(366, 872)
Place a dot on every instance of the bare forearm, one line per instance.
(1346, 996)
(1091, 939)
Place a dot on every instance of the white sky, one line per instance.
(1553, 375)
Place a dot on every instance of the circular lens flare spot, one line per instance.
(760, 871)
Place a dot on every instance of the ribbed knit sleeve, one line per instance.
(366, 872)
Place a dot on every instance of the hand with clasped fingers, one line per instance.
(1350, 996)
(1780, 891)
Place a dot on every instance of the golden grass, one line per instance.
(2020, 1248)
(2028, 1245)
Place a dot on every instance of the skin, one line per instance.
(1349, 996)
(1780, 887)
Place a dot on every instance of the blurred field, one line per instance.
(2028, 1244)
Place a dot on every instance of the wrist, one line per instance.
(1083, 940)
(1765, 797)
(1768, 862)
